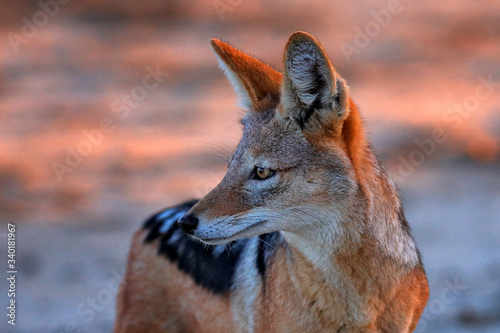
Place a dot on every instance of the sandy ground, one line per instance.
(419, 74)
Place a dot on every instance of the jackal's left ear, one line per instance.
(312, 92)
(256, 84)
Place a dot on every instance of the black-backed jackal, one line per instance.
(305, 232)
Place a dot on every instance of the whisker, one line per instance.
(225, 151)
(302, 219)
(311, 215)
(267, 243)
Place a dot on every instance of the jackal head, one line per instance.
(296, 167)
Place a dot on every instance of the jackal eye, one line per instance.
(261, 173)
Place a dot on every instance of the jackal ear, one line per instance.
(312, 92)
(257, 85)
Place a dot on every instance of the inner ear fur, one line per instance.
(313, 93)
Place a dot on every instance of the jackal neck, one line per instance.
(357, 257)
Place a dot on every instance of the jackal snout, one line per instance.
(188, 223)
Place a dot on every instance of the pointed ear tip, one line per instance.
(301, 36)
(220, 47)
(304, 38)
(215, 42)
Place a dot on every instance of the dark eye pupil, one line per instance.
(261, 173)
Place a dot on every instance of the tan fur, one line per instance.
(347, 263)
(156, 297)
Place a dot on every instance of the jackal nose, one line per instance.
(188, 223)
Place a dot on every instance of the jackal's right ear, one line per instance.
(312, 91)
(256, 84)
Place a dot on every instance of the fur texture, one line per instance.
(320, 245)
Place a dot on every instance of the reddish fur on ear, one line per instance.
(260, 82)
(353, 137)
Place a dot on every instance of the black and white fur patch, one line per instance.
(210, 266)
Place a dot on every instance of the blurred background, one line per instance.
(112, 110)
